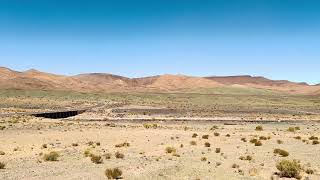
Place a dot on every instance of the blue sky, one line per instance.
(279, 39)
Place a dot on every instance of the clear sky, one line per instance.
(279, 39)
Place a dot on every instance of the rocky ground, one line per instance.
(154, 150)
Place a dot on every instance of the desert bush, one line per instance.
(114, 173)
(193, 143)
(2, 127)
(203, 159)
(228, 135)
(253, 141)
(149, 126)
(194, 135)
(216, 134)
(75, 144)
(281, 152)
(291, 129)
(297, 137)
(234, 166)
(258, 143)
(289, 169)
(244, 139)
(170, 150)
(87, 153)
(52, 156)
(2, 153)
(119, 155)
(263, 138)
(96, 159)
(2, 165)
(108, 155)
(125, 144)
(90, 143)
(279, 141)
(214, 128)
(259, 128)
(315, 142)
(297, 128)
(98, 143)
(309, 171)
(205, 136)
(218, 150)
(245, 158)
(207, 144)
(44, 146)
(313, 138)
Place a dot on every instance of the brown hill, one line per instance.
(33, 79)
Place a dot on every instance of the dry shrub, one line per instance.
(259, 128)
(119, 155)
(207, 144)
(193, 143)
(205, 136)
(125, 144)
(114, 173)
(194, 135)
(281, 152)
(96, 159)
(289, 169)
(52, 156)
(2, 165)
(170, 150)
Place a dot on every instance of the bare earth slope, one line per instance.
(94, 82)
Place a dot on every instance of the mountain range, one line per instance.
(102, 82)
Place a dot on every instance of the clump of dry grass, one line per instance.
(289, 169)
(313, 138)
(87, 153)
(96, 159)
(207, 144)
(194, 135)
(205, 136)
(259, 128)
(149, 126)
(193, 143)
(281, 152)
(2, 165)
(315, 142)
(119, 155)
(218, 150)
(244, 139)
(114, 173)
(203, 159)
(170, 150)
(216, 134)
(125, 144)
(279, 141)
(52, 156)
(246, 158)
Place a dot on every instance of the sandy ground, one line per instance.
(146, 157)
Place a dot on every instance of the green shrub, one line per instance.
(114, 173)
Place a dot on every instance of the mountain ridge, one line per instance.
(91, 82)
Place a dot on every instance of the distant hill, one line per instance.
(101, 82)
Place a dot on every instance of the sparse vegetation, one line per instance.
(205, 136)
(170, 150)
(114, 173)
(259, 128)
(207, 144)
(193, 143)
(279, 141)
(246, 158)
(315, 142)
(289, 168)
(125, 144)
(218, 150)
(194, 135)
(119, 155)
(2, 165)
(281, 152)
(291, 129)
(96, 159)
(216, 134)
(52, 156)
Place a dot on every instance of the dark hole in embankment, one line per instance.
(58, 115)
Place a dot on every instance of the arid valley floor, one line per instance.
(158, 136)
